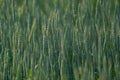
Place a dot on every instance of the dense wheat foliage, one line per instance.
(59, 39)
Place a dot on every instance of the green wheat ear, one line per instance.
(32, 30)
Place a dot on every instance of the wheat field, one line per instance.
(59, 39)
